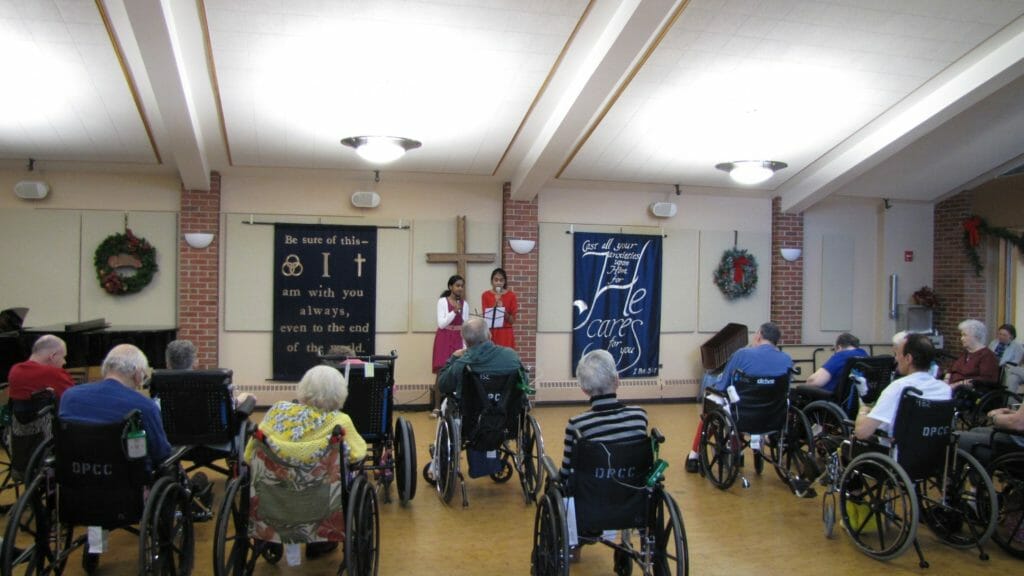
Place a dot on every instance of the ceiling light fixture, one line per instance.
(381, 149)
(751, 171)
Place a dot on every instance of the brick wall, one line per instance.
(961, 293)
(787, 282)
(519, 220)
(199, 272)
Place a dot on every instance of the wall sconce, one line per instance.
(198, 240)
(522, 246)
(790, 254)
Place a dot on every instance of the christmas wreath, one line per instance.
(125, 263)
(974, 228)
(736, 275)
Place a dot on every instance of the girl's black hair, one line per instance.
(451, 282)
(504, 275)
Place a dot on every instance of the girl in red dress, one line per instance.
(500, 307)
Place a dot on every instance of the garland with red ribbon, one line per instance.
(736, 275)
(975, 227)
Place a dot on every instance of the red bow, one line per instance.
(737, 268)
(972, 225)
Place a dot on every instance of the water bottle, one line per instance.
(862, 382)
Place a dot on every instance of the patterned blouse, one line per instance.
(298, 433)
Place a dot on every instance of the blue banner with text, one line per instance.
(617, 300)
(325, 294)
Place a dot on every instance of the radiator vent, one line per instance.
(399, 388)
(682, 382)
(555, 384)
(644, 382)
(268, 387)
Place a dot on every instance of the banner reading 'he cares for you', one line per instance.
(617, 300)
(325, 293)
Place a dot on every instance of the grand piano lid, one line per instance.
(12, 319)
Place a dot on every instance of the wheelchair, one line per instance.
(371, 405)
(1007, 472)
(197, 408)
(614, 486)
(830, 412)
(885, 488)
(272, 503)
(27, 424)
(99, 475)
(973, 403)
(759, 416)
(492, 417)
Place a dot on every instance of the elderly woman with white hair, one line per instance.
(297, 431)
(977, 362)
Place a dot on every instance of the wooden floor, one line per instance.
(760, 530)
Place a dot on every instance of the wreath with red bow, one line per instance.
(974, 228)
(125, 263)
(736, 275)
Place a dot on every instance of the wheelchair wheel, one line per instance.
(668, 537)
(233, 551)
(446, 456)
(505, 474)
(1008, 480)
(405, 460)
(166, 539)
(967, 516)
(550, 555)
(362, 529)
(34, 541)
(795, 463)
(529, 454)
(878, 506)
(719, 449)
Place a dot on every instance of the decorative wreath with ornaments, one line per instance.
(125, 263)
(736, 275)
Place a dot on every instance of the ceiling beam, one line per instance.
(986, 69)
(153, 27)
(610, 44)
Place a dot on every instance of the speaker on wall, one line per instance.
(364, 199)
(31, 189)
(663, 209)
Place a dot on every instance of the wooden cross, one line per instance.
(460, 257)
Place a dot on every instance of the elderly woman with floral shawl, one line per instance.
(290, 480)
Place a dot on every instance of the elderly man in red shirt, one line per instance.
(43, 369)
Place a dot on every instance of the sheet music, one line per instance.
(495, 316)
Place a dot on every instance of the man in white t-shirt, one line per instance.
(914, 357)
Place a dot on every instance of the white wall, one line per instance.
(880, 237)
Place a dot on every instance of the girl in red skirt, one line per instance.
(500, 307)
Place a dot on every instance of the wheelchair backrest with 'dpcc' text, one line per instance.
(763, 403)
(922, 434)
(490, 408)
(196, 406)
(609, 484)
(31, 425)
(370, 399)
(293, 503)
(97, 483)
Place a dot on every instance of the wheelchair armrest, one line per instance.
(796, 370)
(245, 409)
(549, 467)
(170, 464)
(657, 435)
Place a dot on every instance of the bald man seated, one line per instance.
(43, 369)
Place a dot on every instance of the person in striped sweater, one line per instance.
(608, 420)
